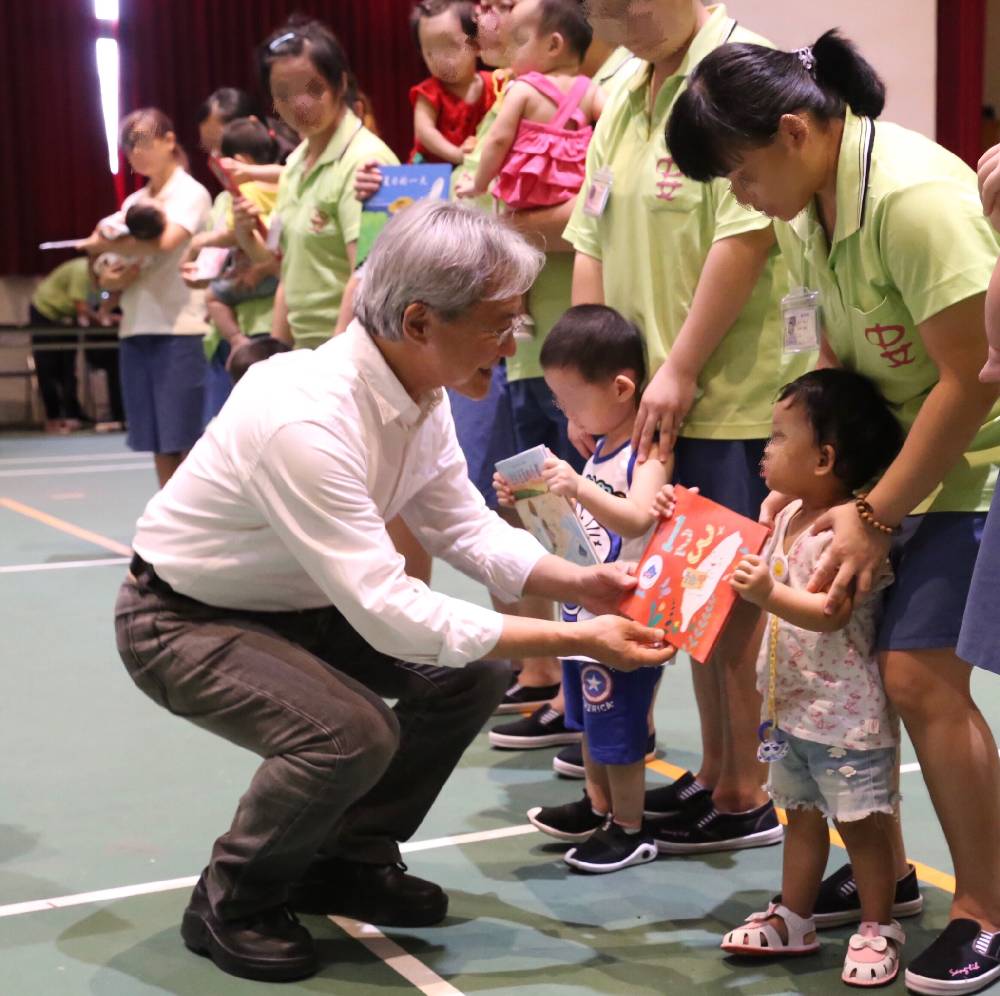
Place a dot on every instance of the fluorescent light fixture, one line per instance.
(107, 75)
(106, 10)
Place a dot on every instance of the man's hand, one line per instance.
(505, 494)
(560, 478)
(367, 181)
(664, 406)
(623, 643)
(752, 580)
(601, 588)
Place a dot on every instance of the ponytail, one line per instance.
(737, 95)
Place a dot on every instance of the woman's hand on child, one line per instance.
(989, 184)
(771, 506)
(752, 580)
(560, 478)
(237, 170)
(583, 442)
(505, 494)
(664, 406)
(623, 643)
(852, 560)
(367, 181)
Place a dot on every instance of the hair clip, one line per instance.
(281, 40)
(808, 60)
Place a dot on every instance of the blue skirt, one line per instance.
(979, 642)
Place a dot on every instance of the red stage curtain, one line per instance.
(960, 58)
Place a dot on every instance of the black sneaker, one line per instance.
(610, 849)
(519, 697)
(838, 903)
(673, 798)
(545, 727)
(271, 946)
(963, 959)
(575, 821)
(384, 895)
(702, 829)
(569, 761)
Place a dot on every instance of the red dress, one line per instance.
(456, 119)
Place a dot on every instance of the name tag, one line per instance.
(596, 201)
(800, 320)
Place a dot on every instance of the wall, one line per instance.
(991, 82)
(899, 38)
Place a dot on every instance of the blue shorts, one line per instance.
(485, 432)
(979, 642)
(538, 422)
(163, 387)
(725, 470)
(611, 707)
(933, 560)
(843, 784)
(218, 383)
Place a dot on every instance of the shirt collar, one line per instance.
(342, 137)
(391, 398)
(716, 31)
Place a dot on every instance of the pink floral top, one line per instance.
(828, 688)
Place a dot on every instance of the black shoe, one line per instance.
(700, 830)
(838, 903)
(543, 728)
(611, 848)
(574, 821)
(963, 959)
(271, 946)
(673, 798)
(569, 761)
(383, 895)
(519, 697)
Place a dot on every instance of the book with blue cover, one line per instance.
(401, 187)
(550, 518)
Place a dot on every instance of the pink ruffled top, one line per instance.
(547, 162)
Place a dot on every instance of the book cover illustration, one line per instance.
(550, 518)
(401, 187)
(685, 570)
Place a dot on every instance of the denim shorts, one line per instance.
(538, 421)
(611, 707)
(725, 470)
(980, 639)
(843, 784)
(163, 387)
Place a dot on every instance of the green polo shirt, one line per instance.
(910, 241)
(56, 296)
(320, 217)
(654, 236)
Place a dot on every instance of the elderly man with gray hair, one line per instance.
(267, 604)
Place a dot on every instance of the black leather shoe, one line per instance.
(379, 894)
(271, 946)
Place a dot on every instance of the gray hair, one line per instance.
(447, 256)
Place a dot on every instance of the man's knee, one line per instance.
(489, 680)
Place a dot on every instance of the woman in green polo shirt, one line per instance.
(887, 228)
(305, 71)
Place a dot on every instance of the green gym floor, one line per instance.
(108, 808)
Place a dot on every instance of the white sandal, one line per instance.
(757, 938)
(873, 954)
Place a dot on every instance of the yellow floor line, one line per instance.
(67, 527)
(925, 873)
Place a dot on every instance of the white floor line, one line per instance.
(167, 885)
(102, 468)
(905, 769)
(61, 565)
(80, 458)
(414, 971)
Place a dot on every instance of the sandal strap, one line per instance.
(798, 926)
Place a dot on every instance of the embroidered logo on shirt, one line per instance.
(671, 179)
(318, 220)
(889, 339)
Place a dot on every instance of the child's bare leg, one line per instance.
(628, 789)
(807, 846)
(870, 848)
(598, 783)
(224, 319)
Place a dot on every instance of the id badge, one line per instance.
(273, 242)
(800, 321)
(599, 193)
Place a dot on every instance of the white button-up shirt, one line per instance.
(282, 505)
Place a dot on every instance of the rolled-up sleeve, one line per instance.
(451, 520)
(310, 484)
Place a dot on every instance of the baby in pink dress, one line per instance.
(536, 150)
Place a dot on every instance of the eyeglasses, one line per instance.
(504, 335)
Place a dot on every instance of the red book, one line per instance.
(685, 570)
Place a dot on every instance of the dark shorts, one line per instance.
(933, 561)
(611, 707)
(485, 432)
(979, 642)
(538, 421)
(163, 386)
(725, 470)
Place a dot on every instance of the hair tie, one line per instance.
(807, 58)
(271, 133)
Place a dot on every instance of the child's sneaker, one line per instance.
(569, 761)
(573, 822)
(545, 727)
(612, 848)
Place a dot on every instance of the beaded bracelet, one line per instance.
(867, 514)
